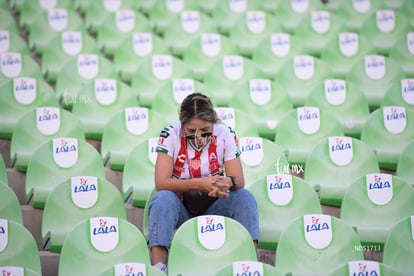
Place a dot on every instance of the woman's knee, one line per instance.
(163, 199)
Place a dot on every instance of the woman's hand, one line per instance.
(219, 186)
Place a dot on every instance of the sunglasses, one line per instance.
(203, 135)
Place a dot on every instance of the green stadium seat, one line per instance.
(202, 245)
(251, 28)
(388, 131)
(82, 5)
(405, 164)
(11, 41)
(335, 163)
(249, 268)
(145, 6)
(238, 120)
(105, 97)
(407, 9)
(345, 101)
(14, 65)
(300, 74)
(374, 74)
(56, 161)
(133, 50)
(206, 7)
(132, 269)
(97, 244)
(403, 53)
(125, 130)
(146, 210)
(74, 200)
(393, 4)
(365, 267)
(3, 171)
(38, 127)
(18, 270)
(8, 22)
(385, 200)
(302, 129)
(270, 5)
(400, 94)
(332, 5)
(9, 204)
(154, 72)
(261, 157)
(67, 45)
(226, 75)
(316, 244)
(355, 13)
(21, 95)
(399, 247)
(16, 5)
(280, 199)
(18, 246)
(265, 102)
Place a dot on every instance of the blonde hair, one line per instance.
(197, 105)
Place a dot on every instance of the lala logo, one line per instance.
(410, 42)
(279, 188)
(247, 268)
(233, 67)
(385, 20)
(211, 44)
(211, 231)
(12, 271)
(407, 90)
(88, 66)
(58, 19)
(237, 6)
(24, 90)
(125, 20)
(152, 148)
(375, 66)
(364, 268)
(104, 233)
(130, 269)
(335, 91)
(182, 88)
(105, 91)
(112, 5)
(299, 6)
(142, 44)
(308, 119)
(65, 153)
(48, 120)
(11, 64)
(175, 6)
(361, 6)
(318, 230)
(260, 91)
(303, 66)
(47, 4)
(190, 21)
(227, 115)
(348, 44)
(162, 66)
(71, 42)
(252, 152)
(256, 21)
(395, 120)
(84, 191)
(4, 41)
(379, 188)
(136, 119)
(280, 44)
(4, 234)
(320, 21)
(340, 150)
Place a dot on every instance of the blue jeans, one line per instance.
(166, 213)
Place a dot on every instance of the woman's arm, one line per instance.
(234, 168)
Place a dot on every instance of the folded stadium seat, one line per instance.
(238, 120)
(300, 74)
(133, 50)
(251, 28)
(302, 129)
(153, 72)
(138, 173)
(408, 9)
(125, 130)
(56, 161)
(290, 13)
(37, 127)
(14, 65)
(355, 13)
(97, 244)
(385, 200)
(74, 200)
(273, 51)
(225, 76)
(400, 94)
(203, 244)
(105, 97)
(405, 164)
(345, 101)
(168, 98)
(77, 73)
(344, 50)
(132, 269)
(8, 22)
(3, 171)
(204, 50)
(280, 199)
(11, 41)
(18, 247)
(265, 101)
(317, 29)
(184, 27)
(21, 95)
(67, 45)
(18, 270)
(384, 28)
(50, 24)
(388, 131)
(363, 267)
(399, 247)
(335, 163)
(403, 53)
(9, 204)
(249, 268)
(316, 244)
(261, 157)
(374, 74)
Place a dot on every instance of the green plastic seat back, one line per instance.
(399, 247)
(146, 210)
(238, 121)
(19, 96)
(266, 103)
(407, 9)
(104, 98)
(251, 28)
(78, 72)
(400, 94)
(280, 199)
(227, 74)
(335, 163)
(261, 157)
(138, 173)
(249, 268)
(316, 244)
(344, 50)
(8, 22)
(56, 161)
(132, 269)
(97, 244)
(127, 129)
(3, 171)
(300, 74)
(76, 199)
(62, 48)
(202, 245)
(14, 65)
(386, 199)
(365, 267)
(133, 50)
(302, 129)
(405, 164)
(18, 246)
(403, 53)
(145, 6)
(154, 72)
(374, 74)
(345, 101)
(273, 51)
(38, 127)
(18, 270)
(9, 204)
(388, 130)
(354, 13)
(12, 42)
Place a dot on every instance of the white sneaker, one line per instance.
(161, 266)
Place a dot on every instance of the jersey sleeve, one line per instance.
(167, 140)
(231, 145)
